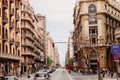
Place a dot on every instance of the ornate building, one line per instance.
(33, 32)
(10, 35)
(95, 23)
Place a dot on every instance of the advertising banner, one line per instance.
(115, 49)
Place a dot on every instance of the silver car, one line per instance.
(41, 76)
(11, 78)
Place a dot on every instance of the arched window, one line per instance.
(18, 52)
(13, 51)
(6, 48)
(93, 54)
(10, 49)
(92, 14)
(92, 9)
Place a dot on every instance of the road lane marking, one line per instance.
(69, 75)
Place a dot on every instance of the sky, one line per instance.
(59, 20)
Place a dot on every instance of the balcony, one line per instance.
(5, 19)
(117, 32)
(9, 56)
(11, 41)
(30, 45)
(39, 46)
(17, 43)
(11, 25)
(37, 51)
(5, 4)
(17, 4)
(4, 37)
(30, 37)
(29, 28)
(17, 30)
(25, 18)
(28, 54)
(37, 58)
(11, 11)
(17, 17)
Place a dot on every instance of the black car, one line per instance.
(2, 77)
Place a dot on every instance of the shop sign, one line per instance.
(115, 49)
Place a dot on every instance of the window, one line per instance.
(118, 39)
(93, 54)
(93, 40)
(0, 47)
(112, 12)
(92, 8)
(0, 11)
(92, 14)
(93, 32)
(18, 52)
(6, 49)
(92, 20)
(105, 6)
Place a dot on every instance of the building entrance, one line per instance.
(93, 66)
(93, 61)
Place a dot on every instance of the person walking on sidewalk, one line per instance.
(111, 73)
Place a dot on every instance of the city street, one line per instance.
(62, 74)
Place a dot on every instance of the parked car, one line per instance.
(11, 78)
(2, 77)
(41, 76)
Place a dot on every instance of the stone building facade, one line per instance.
(95, 22)
(10, 35)
(32, 40)
(22, 38)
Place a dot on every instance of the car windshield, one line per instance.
(40, 75)
(10, 78)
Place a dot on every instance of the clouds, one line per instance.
(59, 19)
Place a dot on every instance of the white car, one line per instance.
(41, 76)
(11, 78)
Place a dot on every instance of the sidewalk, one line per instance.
(109, 78)
(25, 77)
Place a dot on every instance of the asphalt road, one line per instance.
(62, 74)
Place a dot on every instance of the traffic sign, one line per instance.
(115, 56)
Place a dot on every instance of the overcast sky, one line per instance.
(59, 15)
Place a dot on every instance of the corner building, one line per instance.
(95, 22)
(10, 33)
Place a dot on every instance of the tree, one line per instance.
(49, 61)
(70, 60)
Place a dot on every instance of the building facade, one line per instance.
(95, 22)
(57, 61)
(50, 50)
(10, 35)
(70, 45)
(32, 38)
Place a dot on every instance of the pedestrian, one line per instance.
(28, 73)
(103, 73)
(111, 74)
(68, 68)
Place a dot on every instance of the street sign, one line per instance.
(115, 49)
(115, 56)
